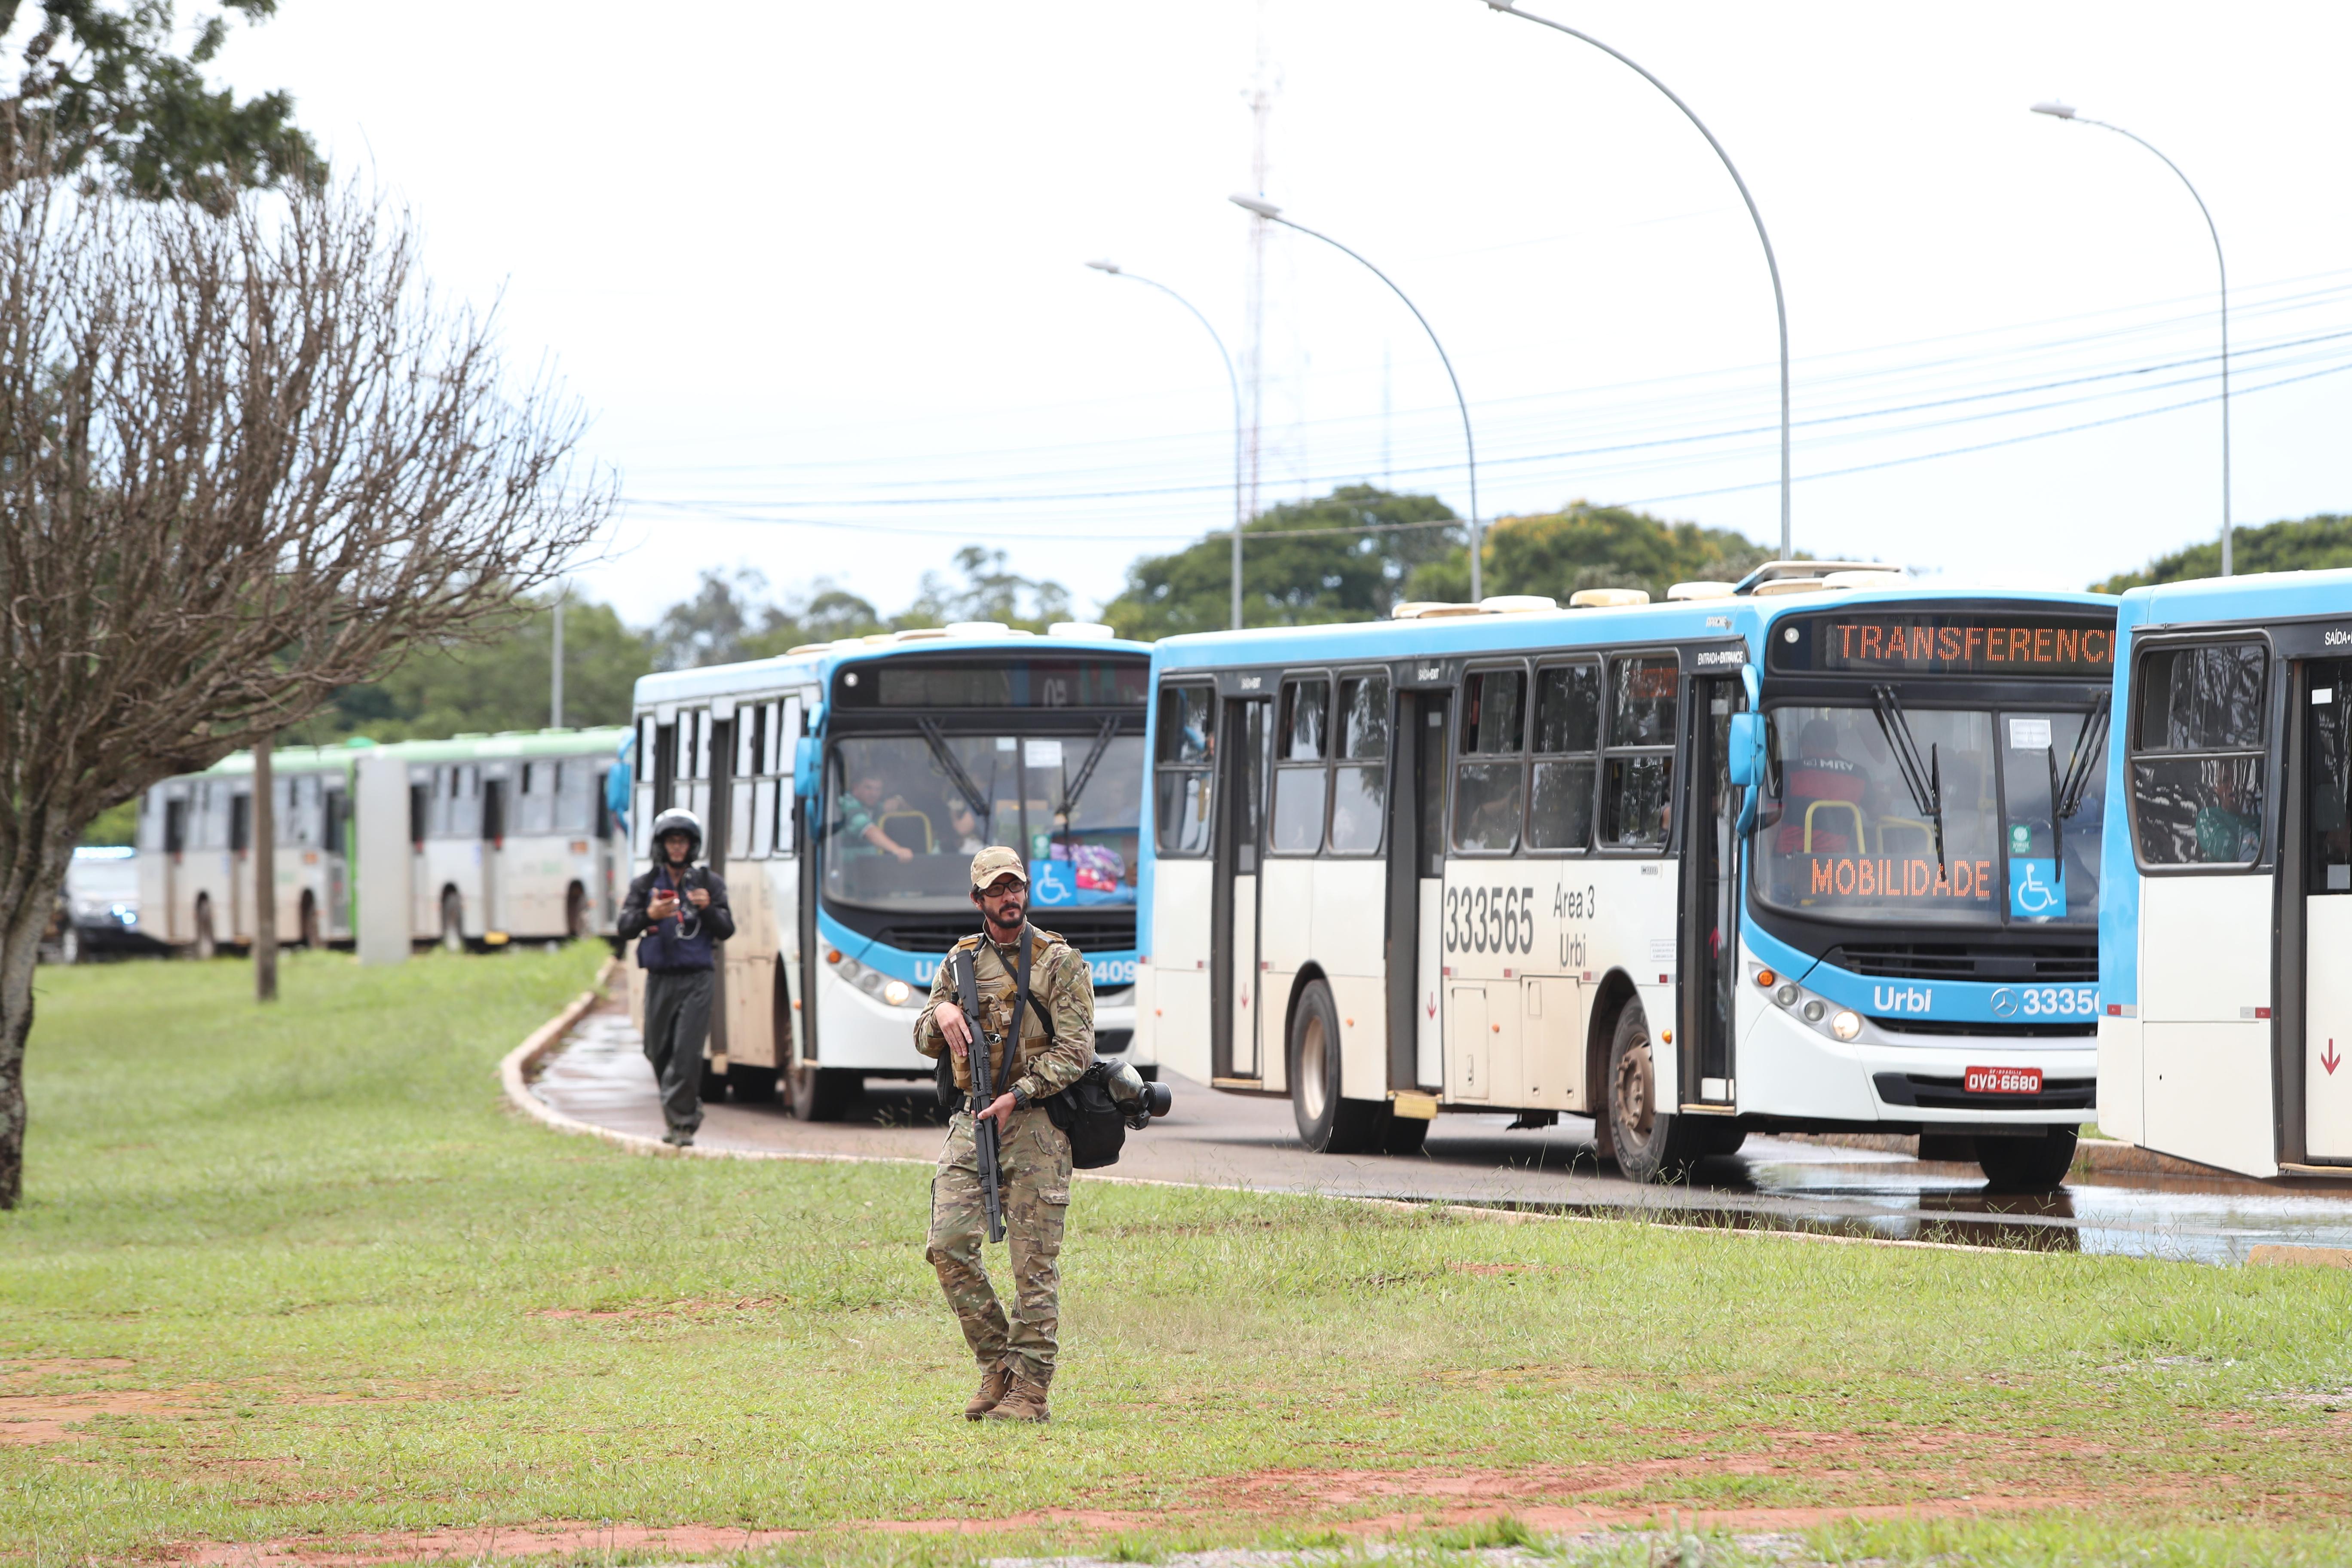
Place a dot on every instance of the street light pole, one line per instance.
(1772, 263)
(1112, 269)
(2064, 112)
(1272, 214)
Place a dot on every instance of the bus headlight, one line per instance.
(1846, 1025)
(891, 992)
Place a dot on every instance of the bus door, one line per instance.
(2321, 823)
(1416, 891)
(1234, 1000)
(1708, 937)
(494, 844)
(176, 849)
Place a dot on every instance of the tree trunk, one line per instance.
(20, 950)
(264, 877)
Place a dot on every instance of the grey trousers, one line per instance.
(677, 1020)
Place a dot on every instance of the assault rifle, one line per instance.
(984, 1089)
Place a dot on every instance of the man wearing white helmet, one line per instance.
(678, 910)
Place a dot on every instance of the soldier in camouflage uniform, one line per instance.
(1015, 1355)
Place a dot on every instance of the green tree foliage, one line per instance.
(988, 593)
(1343, 558)
(105, 85)
(497, 685)
(1583, 546)
(731, 617)
(2289, 546)
(118, 824)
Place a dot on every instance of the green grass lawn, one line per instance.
(295, 1273)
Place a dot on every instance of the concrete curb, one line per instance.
(514, 1068)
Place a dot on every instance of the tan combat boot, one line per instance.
(1024, 1401)
(991, 1392)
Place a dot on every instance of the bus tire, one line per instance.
(452, 921)
(1653, 1145)
(308, 922)
(575, 912)
(752, 1086)
(2027, 1165)
(821, 1094)
(1328, 1124)
(207, 945)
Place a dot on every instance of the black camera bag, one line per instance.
(1091, 1120)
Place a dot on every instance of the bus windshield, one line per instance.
(1842, 833)
(904, 814)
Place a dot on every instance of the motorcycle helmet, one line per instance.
(677, 819)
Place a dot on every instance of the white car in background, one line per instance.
(97, 910)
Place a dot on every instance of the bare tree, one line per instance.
(246, 458)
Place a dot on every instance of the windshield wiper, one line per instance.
(951, 765)
(2090, 740)
(1925, 784)
(1085, 772)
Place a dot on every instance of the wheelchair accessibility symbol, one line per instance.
(2034, 893)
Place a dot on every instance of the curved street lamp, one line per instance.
(1113, 270)
(2067, 111)
(1780, 303)
(1272, 214)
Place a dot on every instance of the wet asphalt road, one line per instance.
(1780, 1183)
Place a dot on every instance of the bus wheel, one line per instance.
(310, 922)
(2027, 1165)
(207, 945)
(575, 912)
(452, 921)
(752, 1086)
(1326, 1124)
(1653, 1145)
(820, 1094)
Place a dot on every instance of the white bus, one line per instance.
(507, 834)
(845, 788)
(2226, 936)
(1796, 854)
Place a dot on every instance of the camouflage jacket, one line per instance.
(1059, 979)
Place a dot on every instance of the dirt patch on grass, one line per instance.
(28, 1419)
(554, 1537)
(693, 1309)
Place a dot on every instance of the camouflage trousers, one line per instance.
(1033, 1159)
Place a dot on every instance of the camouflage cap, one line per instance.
(996, 861)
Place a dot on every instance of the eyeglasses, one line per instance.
(1004, 887)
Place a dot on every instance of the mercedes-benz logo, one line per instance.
(2004, 1003)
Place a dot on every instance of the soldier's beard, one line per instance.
(1010, 917)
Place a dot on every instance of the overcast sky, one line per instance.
(816, 268)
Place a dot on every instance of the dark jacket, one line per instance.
(683, 941)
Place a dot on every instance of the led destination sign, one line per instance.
(1866, 642)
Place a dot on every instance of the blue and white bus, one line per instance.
(846, 786)
(2225, 939)
(1816, 851)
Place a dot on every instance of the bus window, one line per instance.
(2199, 755)
(1300, 779)
(2045, 851)
(1359, 779)
(1567, 733)
(2329, 869)
(1488, 778)
(1186, 773)
(1637, 807)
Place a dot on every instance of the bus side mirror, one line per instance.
(1743, 758)
(804, 766)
